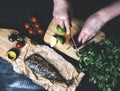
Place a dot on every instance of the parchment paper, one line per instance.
(66, 69)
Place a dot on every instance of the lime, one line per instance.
(61, 39)
(60, 30)
(53, 41)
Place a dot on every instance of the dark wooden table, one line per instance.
(13, 15)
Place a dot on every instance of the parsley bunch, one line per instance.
(102, 62)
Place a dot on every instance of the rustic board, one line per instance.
(75, 29)
(67, 70)
(5, 44)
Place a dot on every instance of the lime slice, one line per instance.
(60, 39)
(53, 41)
(60, 30)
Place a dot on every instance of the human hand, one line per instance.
(91, 27)
(62, 13)
(95, 22)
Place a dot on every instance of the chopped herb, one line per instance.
(102, 62)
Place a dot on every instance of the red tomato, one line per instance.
(31, 32)
(40, 31)
(37, 25)
(27, 25)
(19, 45)
(34, 19)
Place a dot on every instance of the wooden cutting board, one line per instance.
(76, 27)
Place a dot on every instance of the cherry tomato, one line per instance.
(36, 25)
(19, 44)
(34, 19)
(27, 25)
(40, 31)
(31, 32)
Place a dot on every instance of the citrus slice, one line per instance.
(60, 39)
(53, 41)
(60, 30)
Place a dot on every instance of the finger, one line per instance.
(85, 38)
(61, 23)
(81, 36)
(91, 36)
(67, 25)
(57, 19)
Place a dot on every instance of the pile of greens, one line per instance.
(102, 62)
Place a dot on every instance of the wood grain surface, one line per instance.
(5, 44)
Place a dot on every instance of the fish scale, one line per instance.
(41, 66)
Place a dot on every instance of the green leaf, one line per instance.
(102, 62)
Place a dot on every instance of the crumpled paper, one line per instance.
(66, 69)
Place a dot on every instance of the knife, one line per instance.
(74, 43)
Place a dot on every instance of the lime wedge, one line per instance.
(53, 41)
(61, 39)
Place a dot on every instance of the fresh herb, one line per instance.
(102, 62)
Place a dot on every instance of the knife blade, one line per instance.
(74, 43)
